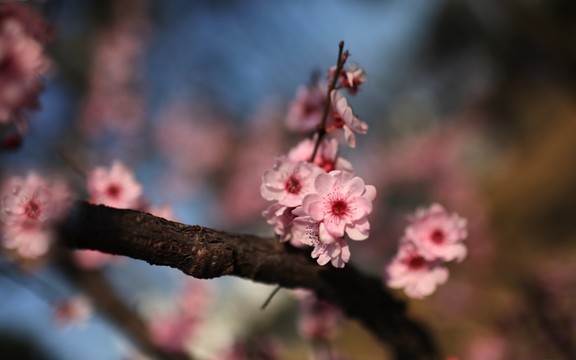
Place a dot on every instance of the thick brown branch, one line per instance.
(206, 253)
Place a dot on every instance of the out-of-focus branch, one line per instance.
(206, 253)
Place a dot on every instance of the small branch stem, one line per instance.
(321, 129)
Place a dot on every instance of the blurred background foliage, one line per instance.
(470, 103)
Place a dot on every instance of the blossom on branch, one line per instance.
(341, 203)
(289, 182)
(350, 79)
(114, 187)
(346, 120)
(327, 157)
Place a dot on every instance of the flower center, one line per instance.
(327, 164)
(113, 190)
(437, 236)
(293, 185)
(32, 209)
(339, 207)
(416, 262)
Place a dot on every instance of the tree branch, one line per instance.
(205, 253)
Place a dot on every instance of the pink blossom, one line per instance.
(23, 62)
(29, 210)
(319, 319)
(289, 182)
(355, 76)
(306, 110)
(341, 203)
(327, 156)
(171, 332)
(114, 186)
(307, 231)
(346, 120)
(27, 16)
(350, 78)
(281, 217)
(74, 310)
(438, 234)
(410, 270)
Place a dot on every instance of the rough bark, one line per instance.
(206, 253)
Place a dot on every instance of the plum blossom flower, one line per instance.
(327, 157)
(341, 203)
(281, 217)
(29, 209)
(346, 120)
(307, 231)
(23, 62)
(306, 110)
(438, 234)
(114, 187)
(350, 78)
(410, 270)
(289, 182)
(319, 319)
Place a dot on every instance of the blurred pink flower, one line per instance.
(174, 329)
(114, 187)
(29, 209)
(289, 182)
(27, 16)
(74, 310)
(319, 319)
(305, 111)
(488, 347)
(115, 98)
(437, 234)
(184, 131)
(341, 203)
(23, 62)
(411, 271)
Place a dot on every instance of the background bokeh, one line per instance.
(469, 103)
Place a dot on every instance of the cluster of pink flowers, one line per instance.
(30, 207)
(318, 201)
(433, 238)
(23, 35)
